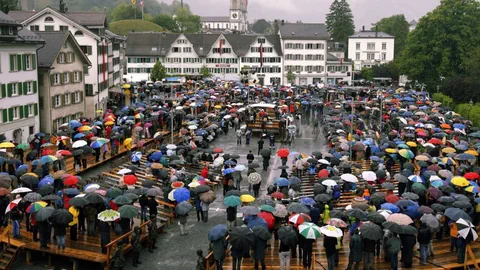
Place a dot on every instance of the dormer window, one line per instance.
(79, 33)
(49, 20)
(10, 30)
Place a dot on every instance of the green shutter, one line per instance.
(80, 76)
(24, 61)
(9, 89)
(25, 88)
(5, 115)
(19, 62)
(19, 88)
(4, 90)
(10, 114)
(53, 102)
(89, 50)
(20, 112)
(81, 96)
(25, 111)
(34, 86)
(52, 79)
(71, 77)
(61, 78)
(34, 61)
(12, 62)
(35, 109)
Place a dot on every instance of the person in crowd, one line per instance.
(329, 243)
(259, 247)
(136, 245)
(152, 234)
(219, 248)
(250, 157)
(104, 228)
(205, 207)
(91, 217)
(408, 244)
(231, 217)
(118, 259)
(424, 236)
(200, 260)
(356, 250)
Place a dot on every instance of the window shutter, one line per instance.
(20, 112)
(81, 96)
(53, 102)
(34, 61)
(89, 50)
(54, 125)
(4, 90)
(24, 61)
(63, 100)
(34, 86)
(12, 62)
(58, 58)
(25, 88)
(61, 78)
(71, 77)
(35, 109)
(72, 98)
(80, 76)
(25, 111)
(5, 115)
(52, 79)
(19, 88)
(19, 62)
(9, 90)
(10, 114)
(73, 57)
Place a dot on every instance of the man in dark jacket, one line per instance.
(368, 253)
(90, 216)
(219, 248)
(104, 228)
(329, 243)
(152, 206)
(250, 157)
(259, 252)
(314, 213)
(394, 244)
(356, 247)
(424, 237)
(136, 245)
(231, 217)
(408, 244)
(307, 252)
(260, 145)
(143, 200)
(44, 234)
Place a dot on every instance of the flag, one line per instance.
(261, 55)
(221, 43)
(134, 2)
(141, 3)
(341, 61)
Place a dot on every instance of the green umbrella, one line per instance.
(232, 201)
(128, 211)
(122, 200)
(108, 215)
(131, 196)
(371, 231)
(309, 230)
(267, 208)
(113, 192)
(23, 146)
(419, 189)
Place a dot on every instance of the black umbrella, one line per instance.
(148, 183)
(5, 181)
(298, 208)
(94, 198)
(456, 214)
(357, 213)
(323, 198)
(285, 167)
(78, 201)
(51, 197)
(388, 185)
(32, 197)
(183, 208)
(202, 189)
(61, 217)
(410, 196)
(400, 229)
(288, 236)
(376, 218)
(371, 231)
(233, 193)
(337, 214)
(447, 189)
(241, 238)
(29, 179)
(262, 233)
(253, 165)
(318, 188)
(45, 190)
(266, 153)
(77, 152)
(87, 150)
(462, 204)
(44, 213)
(446, 199)
(32, 155)
(377, 199)
(438, 207)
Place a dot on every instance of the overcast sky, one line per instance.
(365, 12)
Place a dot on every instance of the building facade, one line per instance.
(61, 89)
(18, 80)
(370, 48)
(101, 47)
(235, 22)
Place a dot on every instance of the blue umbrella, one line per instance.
(47, 180)
(74, 124)
(71, 191)
(36, 162)
(375, 149)
(23, 167)
(412, 211)
(282, 182)
(40, 134)
(228, 170)
(459, 126)
(462, 147)
(201, 132)
(464, 156)
(79, 136)
(406, 203)
(375, 158)
(230, 163)
(136, 157)
(391, 207)
(156, 156)
(437, 183)
(181, 194)
(256, 221)
(98, 123)
(217, 232)
(307, 201)
(294, 180)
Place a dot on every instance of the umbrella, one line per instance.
(391, 207)
(267, 208)
(51, 197)
(262, 233)
(369, 176)
(298, 219)
(430, 220)
(357, 213)
(388, 185)
(376, 218)
(183, 208)
(130, 179)
(61, 217)
(280, 211)
(35, 207)
(208, 197)
(45, 190)
(297, 208)
(337, 223)
(329, 182)
(181, 194)
(249, 210)
(44, 213)
(255, 178)
(400, 229)
(78, 202)
(277, 195)
(21, 190)
(307, 201)
(113, 192)
(241, 238)
(265, 152)
(438, 207)
(348, 177)
(153, 192)
(79, 143)
(466, 229)
(217, 232)
(202, 189)
(400, 219)
(108, 215)
(121, 200)
(309, 230)
(282, 182)
(371, 231)
(287, 235)
(94, 198)
(283, 152)
(410, 196)
(71, 191)
(460, 181)
(268, 218)
(232, 201)
(425, 210)
(331, 231)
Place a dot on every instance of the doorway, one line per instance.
(17, 136)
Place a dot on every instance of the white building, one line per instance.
(304, 47)
(370, 48)
(186, 54)
(19, 81)
(101, 47)
(235, 22)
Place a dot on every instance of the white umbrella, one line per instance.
(329, 182)
(21, 190)
(194, 184)
(240, 167)
(369, 176)
(384, 213)
(171, 146)
(78, 144)
(12, 205)
(348, 177)
(179, 108)
(465, 228)
(192, 127)
(323, 161)
(91, 188)
(218, 161)
(331, 231)
(227, 117)
(124, 171)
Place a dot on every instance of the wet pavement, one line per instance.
(176, 252)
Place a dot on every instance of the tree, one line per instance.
(340, 21)
(124, 27)
(205, 72)
(367, 74)
(187, 22)
(389, 70)
(441, 42)
(7, 5)
(261, 26)
(125, 12)
(166, 21)
(290, 77)
(159, 72)
(396, 26)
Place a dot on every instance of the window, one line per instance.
(56, 78)
(261, 40)
(176, 49)
(34, 28)
(357, 56)
(76, 76)
(58, 101)
(28, 61)
(49, 20)
(14, 89)
(63, 28)
(181, 41)
(70, 57)
(86, 50)
(187, 49)
(49, 28)
(77, 97)
(384, 56)
(79, 33)
(67, 98)
(61, 58)
(384, 46)
(289, 46)
(370, 56)
(218, 26)
(30, 110)
(371, 46)
(10, 30)
(29, 87)
(66, 77)
(16, 114)
(357, 45)
(15, 61)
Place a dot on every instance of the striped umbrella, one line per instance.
(309, 230)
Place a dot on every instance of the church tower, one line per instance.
(238, 15)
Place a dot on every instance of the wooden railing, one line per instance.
(110, 245)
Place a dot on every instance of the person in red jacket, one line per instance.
(204, 172)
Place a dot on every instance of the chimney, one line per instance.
(66, 8)
(62, 6)
(363, 28)
(376, 30)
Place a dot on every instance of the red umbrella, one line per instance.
(283, 152)
(435, 141)
(141, 143)
(64, 153)
(323, 173)
(298, 219)
(177, 184)
(217, 150)
(434, 168)
(268, 217)
(392, 198)
(233, 110)
(278, 195)
(130, 179)
(471, 175)
(70, 180)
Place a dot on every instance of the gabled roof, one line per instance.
(370, 34)
(215, 19)
(277, 44)
(85, 18)
(333, 58)
(240, 43)
(149, 43)
(7, 20)
(20, 15)
(204, 41)
(413, 22)
(305, 31)
(54, 42)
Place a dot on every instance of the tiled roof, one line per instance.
(306, 31)
(371, 34)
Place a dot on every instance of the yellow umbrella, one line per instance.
(448, 160)
(460, 181)
(75, 213)
(218, 107)
(127, 142)
(126, 86)
(247, 198)
(109, 123)
(84, 128)
(7, 145)
(472, 152)
(391, 150)
(412, 144)
(449, 150)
